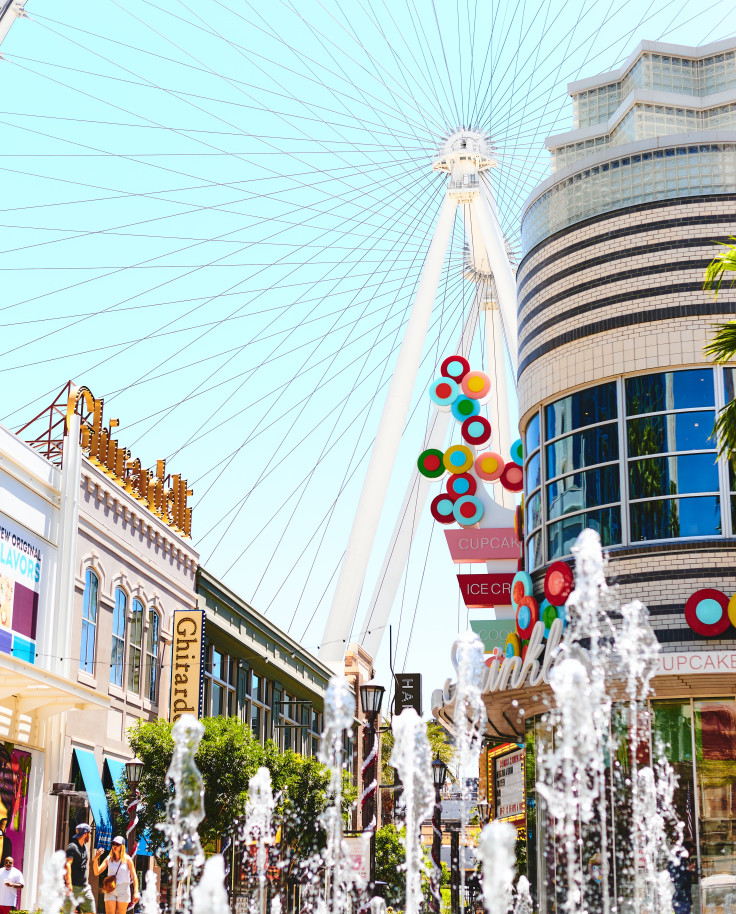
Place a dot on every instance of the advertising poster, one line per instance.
(509, 785)
(15, 769)
(21, 576)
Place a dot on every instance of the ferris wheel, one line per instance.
(258, 230)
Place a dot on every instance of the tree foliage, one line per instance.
(228, 757)
(391, 865)
(439, 740)
(722, 348)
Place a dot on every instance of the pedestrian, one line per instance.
(121, 875)
(12, 880)
(79, 895)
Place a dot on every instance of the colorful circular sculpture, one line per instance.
(521, 586)
(558, 583)
(463, 408)
(442, 508)
(455, 367)
(513, 645)
(527, 616)
(476, 430)
(430, 463)
(477, 386)
(468, 510)
(732, 610)
(519, 521)
(489, 465)
(458, 459)
(517, 451)
(706, 612)
(548, 614)
(512, 478)
(461, 484)
(443, 392)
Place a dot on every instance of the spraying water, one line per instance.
(209, 895)
(149, 897)
(470, 719)
(496, 851)
(258, 828)
(412, 758)
(52, 891)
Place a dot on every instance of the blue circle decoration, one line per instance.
(523, 617)
(468, 510)
(464, 408)
(709, 611)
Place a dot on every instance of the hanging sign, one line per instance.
(187, 668)
(481, 590)
(408, 692)
(483, 545)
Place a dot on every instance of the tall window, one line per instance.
(152, 656)
(220, 683)
(135, 645)
(89, 622)
(117, 654)
(260, 720)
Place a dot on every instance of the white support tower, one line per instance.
(466, 157)
(10, 10)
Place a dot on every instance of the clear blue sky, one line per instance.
(214, 214)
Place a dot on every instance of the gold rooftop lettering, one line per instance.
(166, 496)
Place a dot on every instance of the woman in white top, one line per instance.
(119, 865)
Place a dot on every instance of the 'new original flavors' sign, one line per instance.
(21, 577)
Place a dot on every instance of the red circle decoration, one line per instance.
(476, 430)
(458, 459)
(477, 386)
(527, 616)
(512, 478)
(442, 509)
(558, 583)
(460, 485)
(468, 510)
(702, 612)
(455, 367)
(489, 466)
(521, 586)
(430, 463)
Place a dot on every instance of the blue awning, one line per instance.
(96, 796)
(119, 778)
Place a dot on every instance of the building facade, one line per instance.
(617, 403)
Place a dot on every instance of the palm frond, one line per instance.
(722, 348)
(719, 266)
(724, 431)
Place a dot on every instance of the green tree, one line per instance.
(722, 347)
(228, 757)
(439, 740)
(391, 862)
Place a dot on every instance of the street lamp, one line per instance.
(484, 811)
(134, 773)
(439, 775)
(371, 696)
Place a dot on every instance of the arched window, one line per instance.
(135, 645)
(89, 622)
(117, 654)
(152, 656)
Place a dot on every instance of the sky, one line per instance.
(215, 215)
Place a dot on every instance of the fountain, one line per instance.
(258, 830)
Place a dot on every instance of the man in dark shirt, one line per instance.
(79, 894)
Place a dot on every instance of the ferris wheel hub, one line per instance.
(472, 148)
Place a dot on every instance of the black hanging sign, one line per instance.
(408, 692)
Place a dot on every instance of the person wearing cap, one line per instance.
(11, 880)
(79, 895)
(119, 865)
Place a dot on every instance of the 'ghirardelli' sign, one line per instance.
(186, 668)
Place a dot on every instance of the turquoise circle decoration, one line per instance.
(706, 612)
(468, 510)
(517, 452)
(521, 587)
(443, 392)
(464, 408)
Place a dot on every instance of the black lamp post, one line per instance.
(371, 696)
(134, 773)
(484, 811)
(439, 775)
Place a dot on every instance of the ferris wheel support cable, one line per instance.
(388, 436)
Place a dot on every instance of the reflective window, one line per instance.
(534, 550)
(673, 475)
(586, 407)
(663, 434)
(584, 449)
(533, 473)
(152, 655)
(669, 390)
(117, 653)
(534, 511)
(90, 605)
(561, 535)
(531, 438)
(135, 646)
(583, 490)
(669, 518)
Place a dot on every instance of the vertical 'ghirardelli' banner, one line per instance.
(187, 669)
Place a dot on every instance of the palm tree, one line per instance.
(722, 347)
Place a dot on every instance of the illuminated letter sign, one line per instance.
(481, 590)
(186, 667)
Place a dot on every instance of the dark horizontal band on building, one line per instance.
(701, 309)
(595, 239)
(657, 269)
